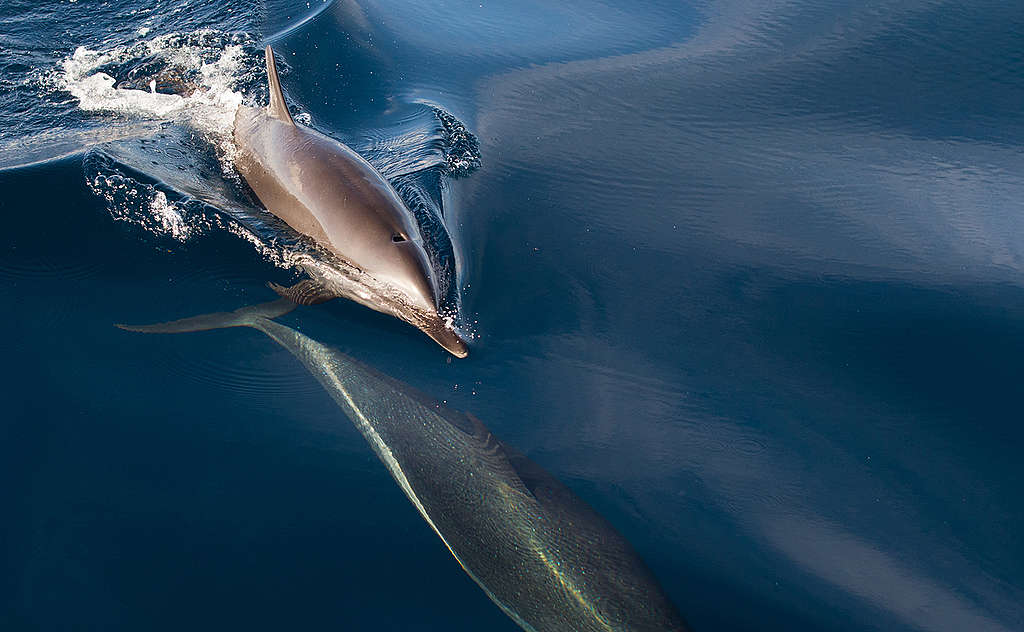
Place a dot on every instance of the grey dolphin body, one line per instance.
(539, 552)
(326, 191)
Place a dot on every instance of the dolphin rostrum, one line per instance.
(544, 556)
(326, 191)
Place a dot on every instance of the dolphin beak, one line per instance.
(412, 273)
(449, 340)
(419, 284)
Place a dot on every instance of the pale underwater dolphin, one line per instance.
(326, 191)
(544, 556)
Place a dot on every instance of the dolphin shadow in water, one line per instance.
(544, 556)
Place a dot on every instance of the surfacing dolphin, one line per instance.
(540, 553)
(326, 191)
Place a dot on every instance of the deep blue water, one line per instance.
(747, 276)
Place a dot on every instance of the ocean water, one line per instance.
(746, 276)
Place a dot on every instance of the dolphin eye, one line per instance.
(398, 238)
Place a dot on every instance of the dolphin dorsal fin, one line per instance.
(278, 108)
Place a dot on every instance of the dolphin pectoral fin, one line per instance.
(278, 107)
(307, 292)
(242, 317)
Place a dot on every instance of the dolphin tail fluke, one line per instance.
(242, 317)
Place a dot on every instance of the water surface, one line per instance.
(745, 275)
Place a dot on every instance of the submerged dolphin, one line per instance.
(328, 192)
(540, 553)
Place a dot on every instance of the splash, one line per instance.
(461, 148)
(181, 92)
(193, 79)
(143, 205)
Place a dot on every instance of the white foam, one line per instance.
(97, 92)
(210, 107)
(144, 206)
(169, 218)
